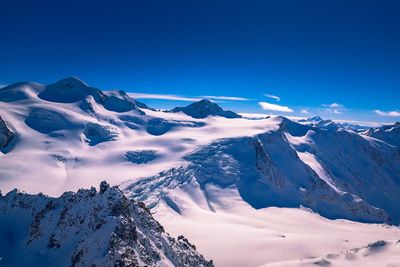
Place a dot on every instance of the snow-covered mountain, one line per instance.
(205, 108)
(294, 166)
(87, 228)
(201, 172)
(387, 133)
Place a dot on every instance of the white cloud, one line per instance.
(274, 107)
(230, 98)
(163, 97)
(393, 113)
(2, 85)
(336, 105)
(277, 98)
(334, 108)
(304, 111)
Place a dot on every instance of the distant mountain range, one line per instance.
(329, 124)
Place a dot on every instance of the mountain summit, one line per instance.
(70, 90)
(205, 108)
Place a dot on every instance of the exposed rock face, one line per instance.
(87, 229)
(6, 135)
(205, 108)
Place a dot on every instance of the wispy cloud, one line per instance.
(274, 107)
(229, 98)
(185, 98)
(393, 113)
(163, 97)
(277, 98)
(2, 85)
(304, 111)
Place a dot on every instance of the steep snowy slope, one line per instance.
(205, 108)
(87, 228)
(388, 133)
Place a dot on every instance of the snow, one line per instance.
(379, 253)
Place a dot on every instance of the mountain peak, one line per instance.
(204, 108)
(69, 90)
(72, 81)
(205, 101)
(314, 119)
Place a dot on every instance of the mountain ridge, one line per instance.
(87, 228)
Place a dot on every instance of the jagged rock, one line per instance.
(96, 133)
(141, 156)
(87, 229)
(103, 187)
(6, 136)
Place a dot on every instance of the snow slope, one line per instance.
(378, 253)
(87, 228)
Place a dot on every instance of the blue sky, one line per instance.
(337, 59)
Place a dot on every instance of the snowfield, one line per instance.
(246, 191)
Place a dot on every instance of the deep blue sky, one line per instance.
(309, 53)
